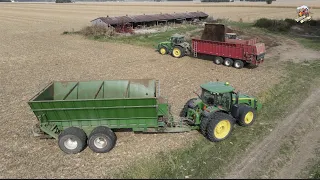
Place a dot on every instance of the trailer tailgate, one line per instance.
(261, 49)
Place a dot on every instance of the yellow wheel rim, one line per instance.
(222, 129)
(248, 118)
(163, 51)
(176, 52)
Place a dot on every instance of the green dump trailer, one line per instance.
(81, 114)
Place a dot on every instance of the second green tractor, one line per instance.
(176, 46)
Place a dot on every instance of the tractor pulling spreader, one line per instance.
(227, 51)
(81, 114)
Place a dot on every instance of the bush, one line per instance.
(269, 1)
(97, 31)
(275, 25)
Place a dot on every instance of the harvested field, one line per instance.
(33, 53)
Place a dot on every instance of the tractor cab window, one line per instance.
(180, 40)
(224, 100)
(208, 98)
(174, 40)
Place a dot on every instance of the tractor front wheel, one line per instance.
(219, 127)
(163, 50)
(246, 115)
(178, 52)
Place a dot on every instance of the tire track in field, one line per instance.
(264, 151)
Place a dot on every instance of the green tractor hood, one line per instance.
(246, 99)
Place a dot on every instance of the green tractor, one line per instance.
(218, 108)
(176, 46)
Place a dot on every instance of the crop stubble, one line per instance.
(33, 53)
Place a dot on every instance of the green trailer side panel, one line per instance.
(121, 113)
(46, 95)
(61, 89)
(88, 104)
(103, 89)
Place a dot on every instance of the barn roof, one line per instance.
(151, 17)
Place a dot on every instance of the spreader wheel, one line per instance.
(218, 60)
(238, 64)
(228, 62)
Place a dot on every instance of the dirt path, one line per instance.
(264, 159)
(304, 153)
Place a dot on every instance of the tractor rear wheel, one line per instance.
(218, 60)
(163, 50)
(203, 125)
(102, 140)
(184, 111)
(72, 140)
(247, 115)
(238, 64)
(219, 127)
(178, 52)
(228, 62)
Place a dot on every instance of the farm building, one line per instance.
(149, 20)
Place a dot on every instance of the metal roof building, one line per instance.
(150, 18)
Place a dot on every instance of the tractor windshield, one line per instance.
(208, 98)
(215, 99)
(177, 40)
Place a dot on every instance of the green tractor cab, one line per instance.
(176, 46)
(218, 108)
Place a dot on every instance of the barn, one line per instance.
(149, 19)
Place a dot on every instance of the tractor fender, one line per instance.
(235, 109)
(163, 45)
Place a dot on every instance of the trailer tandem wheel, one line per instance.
(218, 60)
(72, 140)
(238, 64)
(102, 139)
(228, 62)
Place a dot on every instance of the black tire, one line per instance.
(184, 111)
(203, 125)
(227, 122)
(244, 114)
(238, 64)
(228, 62)
(72, 140)
(99, 134)
(178, 49)
(218, 60)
